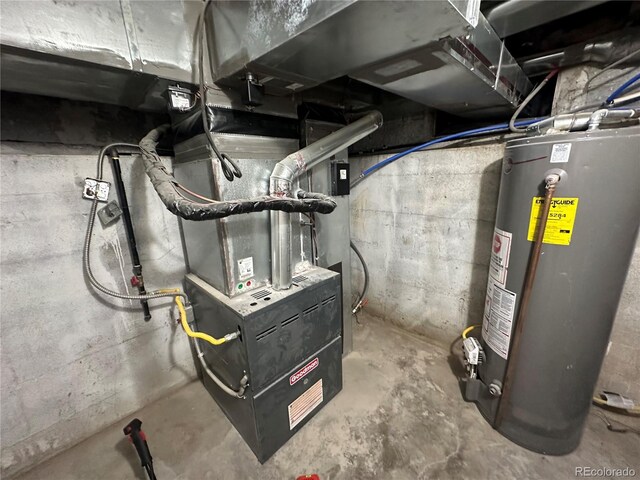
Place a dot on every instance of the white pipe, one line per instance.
(599, 115)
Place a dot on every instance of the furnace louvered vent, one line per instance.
(328, 300)
(261, 294)
(266, 333)
(310, 310)
(289, 320)
(299, 278)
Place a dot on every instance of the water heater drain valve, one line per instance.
(473, 355)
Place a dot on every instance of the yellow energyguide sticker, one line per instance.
(562, 214)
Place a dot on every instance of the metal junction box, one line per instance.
(290, 347)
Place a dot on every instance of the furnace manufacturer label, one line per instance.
(300, 374)
(302, 406)
(499, 308)
(562, 215)
(500, 251)
(245, 268)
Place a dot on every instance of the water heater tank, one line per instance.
(589, 240)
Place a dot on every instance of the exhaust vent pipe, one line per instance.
(290, 168)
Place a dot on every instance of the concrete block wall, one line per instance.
(73, 361)
(424, 225)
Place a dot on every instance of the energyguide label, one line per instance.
(562, 215)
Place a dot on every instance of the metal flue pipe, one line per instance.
(291, 167)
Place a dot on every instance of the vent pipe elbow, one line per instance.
(290, 168)
(599, 116)
(294, 165)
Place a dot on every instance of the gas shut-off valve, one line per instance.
(473, 355)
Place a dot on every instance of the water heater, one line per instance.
(535, 381)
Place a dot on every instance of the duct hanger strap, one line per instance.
(165, 185)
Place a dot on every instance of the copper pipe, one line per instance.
(529, 279)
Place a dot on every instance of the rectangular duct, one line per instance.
(294, 45)
(216, 249)
(473, 75)
(440, 53)
(443, 54)
(119, 52)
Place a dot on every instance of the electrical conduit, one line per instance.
(244, 382)
(160, 293)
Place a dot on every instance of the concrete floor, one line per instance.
(400, 416)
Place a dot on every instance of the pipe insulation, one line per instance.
(166, 186)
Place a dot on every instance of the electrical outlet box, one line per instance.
(96, 189)
(180, 98)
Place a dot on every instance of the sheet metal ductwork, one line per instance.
(443, 54)
(118, 52)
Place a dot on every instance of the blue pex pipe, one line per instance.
(454, 136)
(616, 93)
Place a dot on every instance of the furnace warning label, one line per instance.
(499, 308)
(302, 406)
(245, 268)
(500, 251)
(562, 215)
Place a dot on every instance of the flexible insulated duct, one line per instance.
(166, 186)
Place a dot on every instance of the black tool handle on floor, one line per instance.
(134, 431)
(137, 280)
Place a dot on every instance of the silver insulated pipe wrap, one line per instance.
(287, 170)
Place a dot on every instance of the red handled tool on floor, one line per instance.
(139, 440)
